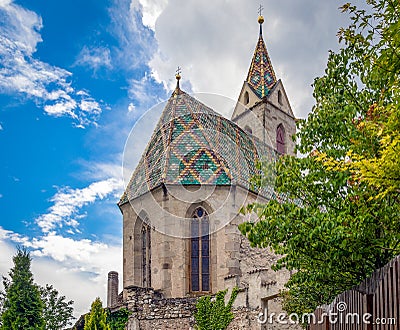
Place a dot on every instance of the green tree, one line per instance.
(57, 312)
(118, 319)
(97, 318)
(2, 298)
(212, 313)
(375, 36)
(339, 219)
(22, 308)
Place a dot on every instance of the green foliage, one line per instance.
(339, 221)
(19, 306)
(6, 283)
(212, 313)
(97, 318)
(374, 58)
(22, 306)
(57, 312)
(118, 319)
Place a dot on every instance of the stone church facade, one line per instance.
(181, 207)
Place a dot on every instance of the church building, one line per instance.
(181, 207)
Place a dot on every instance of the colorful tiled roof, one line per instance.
(261, 76)
(194, 145)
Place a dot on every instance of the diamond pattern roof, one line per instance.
(193, 145)
(261, 76)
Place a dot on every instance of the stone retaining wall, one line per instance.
(150, 311)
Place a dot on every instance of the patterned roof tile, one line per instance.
(261, 76)
(194, 145)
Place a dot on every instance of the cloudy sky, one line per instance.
(76, 75)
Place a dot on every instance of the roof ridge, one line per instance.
(175, 96)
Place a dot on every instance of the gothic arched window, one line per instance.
(280, 139)
(146, 256)
(200, 252)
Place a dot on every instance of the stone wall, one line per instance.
(262, 117)
(170, 257)
(151, 311)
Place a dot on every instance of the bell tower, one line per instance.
(263, 108)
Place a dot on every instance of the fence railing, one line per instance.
(372, 305)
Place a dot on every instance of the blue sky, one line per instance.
(75, 76)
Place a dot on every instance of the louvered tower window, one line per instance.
(280, 139)
(246, 98)
(280, 97)
(146, 256)
(200, 252)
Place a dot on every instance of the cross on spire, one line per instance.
(260, 9)
(260, 17)
(178, 77)
(261, 76)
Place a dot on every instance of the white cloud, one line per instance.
(136, 42)
(1, 127)
(138, 138)
(21, 73)
(4, 233)
(99, 171)
(214, 47)
(67, 203)
(4, 2)
(81, 281)
(82, 93)
(77, 268)
(151, 10)
(6, 254)
(131, 107)
(59, 248)
(20, 26)
(94, 57)
(90, 106)
(61, 108)
(141, 91)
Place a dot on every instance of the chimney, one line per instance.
(112, 290)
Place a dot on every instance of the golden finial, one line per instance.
(178, 74)
(260, 17)
(178, 77)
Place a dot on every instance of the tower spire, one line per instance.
(261, 76)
